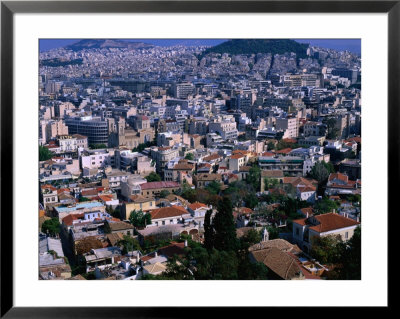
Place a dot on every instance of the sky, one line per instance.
(353, 45)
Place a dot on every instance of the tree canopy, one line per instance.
(44, 153)
(139, 219)
(153, 177)
(189, 156)
(51, 226)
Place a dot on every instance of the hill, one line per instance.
(254, 46)
(106, 43)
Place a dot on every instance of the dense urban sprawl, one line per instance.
(239, 161)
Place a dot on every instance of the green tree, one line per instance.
(325, 205)
(333, 131)
(129, 244)
(320, 172)
(44, 153)
(213, 187)
(254, 177)
(83, 199)
(270, 182)
(224, 227)
(116, 213)
(139, 219)
(251, 200)
(208, 231)
(164, 193)
(189, 156)
(153, 177)
(326, 249)
(350, 257)
(51, 226)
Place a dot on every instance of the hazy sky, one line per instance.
(353, 45)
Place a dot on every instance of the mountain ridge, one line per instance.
(254, 46)
(106, 44)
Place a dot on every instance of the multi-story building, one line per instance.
(331, 224)
(226, 128)
(183, 90)
(94, 128)
(289, 126)
(291, 165)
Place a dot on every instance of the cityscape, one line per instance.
(199, 159)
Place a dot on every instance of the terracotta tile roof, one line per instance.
(140, 199)
(243, 152)
(204, 165)
(237, 156)
(327, 222)
(281, 244)
(268, 154)
(156, 185)
(116, 226)
(47, 186)
(338, 176)
(284, 151)
(184, 166)
(106, 198)
(308, 211)
(289, 140)
(299, 181)
(281, 263)
(356, 139)
(304, 189)
(196, 205)
(165, 212)
(68, 220)
(244, 210)
(89, 192)
(172, 249)
(211, 157)
(63, 190)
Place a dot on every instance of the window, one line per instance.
(297, 232)
(346, 236)
(163, 222)
(171, 221)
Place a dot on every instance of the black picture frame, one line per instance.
(9, 8)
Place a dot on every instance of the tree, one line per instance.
(44, 153)
(139, 219)
(51, 226)
(224, 227)
(116, 213)
(320, 172)
(153, 177)
(129, 244)
(333, 131)
(326, 249)
(270, 182)
(325, 205)
(83, 199)
(254, 177)
(164, 193)
(251, 200)
(189, 156)
(350, 257)
(214, 187)
(208, 231)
